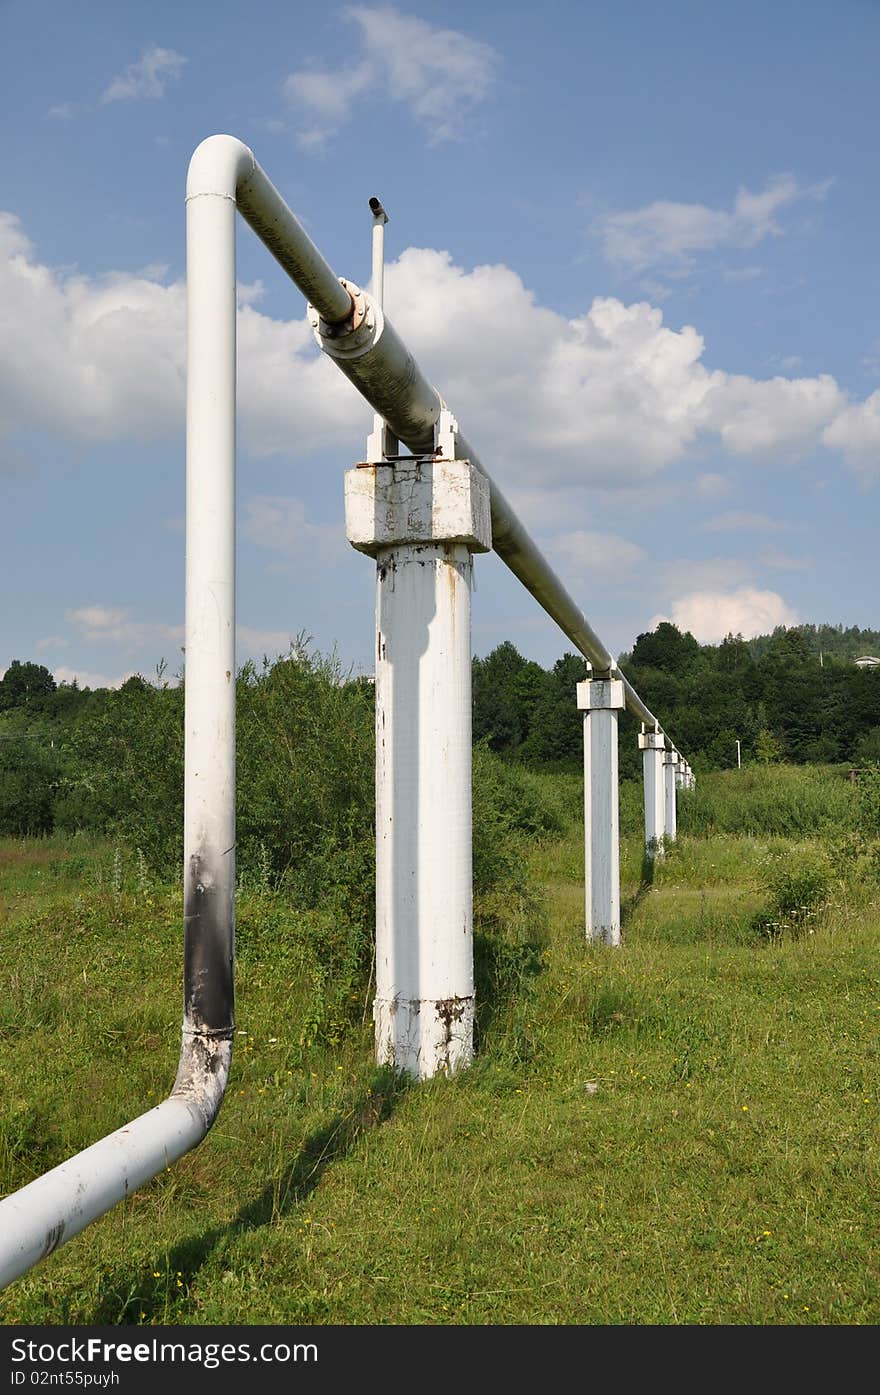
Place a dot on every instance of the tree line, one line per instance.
(71, 758)
(787, 696)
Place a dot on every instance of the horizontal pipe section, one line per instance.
(377, 361)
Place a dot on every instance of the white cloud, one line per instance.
(147, 78)
(856, 433)
(113, 625)
(710, 615)
(254, 644)
(85, 678)
(440, 75)
(609, 398)
(279, 522)
(292, 398)
(329, 95)
(670, 235)
(773, 416)
(740, 521)
(81, 355)
(104, 358)
(592, 551)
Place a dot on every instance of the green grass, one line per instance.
(680, 1131)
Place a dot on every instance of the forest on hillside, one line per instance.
(72, 759)
(795, 695)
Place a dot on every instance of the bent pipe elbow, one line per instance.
(49, 1211)
(224, 167)
(53, 1208)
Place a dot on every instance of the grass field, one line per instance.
(681, 1131)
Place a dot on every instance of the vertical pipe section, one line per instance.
(209, 779)
(50, 1210)
(670, 761)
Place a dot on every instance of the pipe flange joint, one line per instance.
(350, 337)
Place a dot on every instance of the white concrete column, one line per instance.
(422, 519)
(670, 764)
(652, 745)
(601, 700)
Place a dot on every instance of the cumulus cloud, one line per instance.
(147, 78)
(612, 395)
(855, 432)
(84, 356)
(99, 359)
(776, 415)
(710, 615)
(669, 235)
(609, 398)
(438, 74)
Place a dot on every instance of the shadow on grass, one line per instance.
(147, 1296)
(646, 881)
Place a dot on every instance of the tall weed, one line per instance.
(779, 800)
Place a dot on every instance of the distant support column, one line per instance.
(422, 518)
(653, 747)
(601, 700)
(670, 766)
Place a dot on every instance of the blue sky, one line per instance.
(634, 247)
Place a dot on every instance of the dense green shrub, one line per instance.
(779, 800)
(28, 778)
(799, 887)
(305, 794)
(124, 772)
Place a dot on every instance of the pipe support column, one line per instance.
(652, 745)
(422, 519)
(670, 767)
(601, 700)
